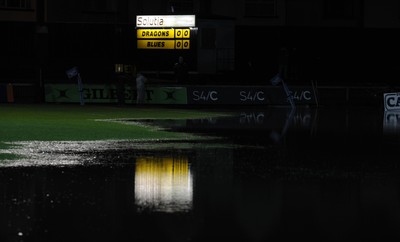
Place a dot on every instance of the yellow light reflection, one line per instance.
(163, 184)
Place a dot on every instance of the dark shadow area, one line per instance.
(272, 175)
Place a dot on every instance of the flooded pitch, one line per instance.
(261, 175)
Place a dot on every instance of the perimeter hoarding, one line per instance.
(391, 101)
(69, 93)
(208, 95)
(250, 95)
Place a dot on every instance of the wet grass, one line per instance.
(9, 157)
(52, 122)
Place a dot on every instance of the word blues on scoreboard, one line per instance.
(163, 33)
(163, 44)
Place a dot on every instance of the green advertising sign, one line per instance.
(166, 95)
(93, 93)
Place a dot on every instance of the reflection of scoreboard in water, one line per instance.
(164, 184)
(165, 31)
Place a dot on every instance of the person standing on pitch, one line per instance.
(140, 88)
(181, 70)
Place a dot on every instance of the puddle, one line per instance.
(319, 174)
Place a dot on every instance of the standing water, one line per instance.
(265, 175)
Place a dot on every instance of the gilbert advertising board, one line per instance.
(392, 101)
(95, 93)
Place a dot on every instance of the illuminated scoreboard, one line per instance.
(164, 31)
(163, 38)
